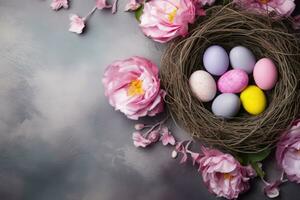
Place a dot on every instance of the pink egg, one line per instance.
(265, 74)
(233, 81)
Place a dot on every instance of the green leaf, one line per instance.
(138, 13)
(257, 169)
(252, 158)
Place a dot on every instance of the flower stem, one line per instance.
(90, 13)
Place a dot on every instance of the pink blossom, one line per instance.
(153, 136)
(296, 22)
(102, 4)
(288, 152)
(283, 8)
(133, 87)
(272, 189)
(139, 140)
(180, 148)
(164, 20)
(57, 4)
(77, 24)
(133, 5)
(167, 137)
(223, 174)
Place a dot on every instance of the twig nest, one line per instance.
(229, 28)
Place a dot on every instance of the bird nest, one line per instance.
(228, 27)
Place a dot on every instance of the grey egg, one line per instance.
(226, 105)
(242, 58)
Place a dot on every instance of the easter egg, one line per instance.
(203, 85)
(265, 74)
(216, 60)
(242, 58)
(253, 100)
(233, 81)
(226, 105)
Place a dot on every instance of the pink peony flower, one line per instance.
(167, 137)
(133, 87)
(133, 5)
(57, 4)
(163, 20)
(283, 8)
(139, 140)
(223, 174)
(77, 24)
(288, 152)
(101, 4)
(296, 22)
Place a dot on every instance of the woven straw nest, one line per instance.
(228, 27)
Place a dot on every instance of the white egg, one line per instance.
(203, 85)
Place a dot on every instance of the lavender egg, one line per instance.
(242, 58)
(216, 60)
(226, 105)
(233, 81)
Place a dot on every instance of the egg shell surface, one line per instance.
(233, 81)
(242, 58)
(216, 60)
(265, 74)
(226, 105)
(253, 100)
(203, 85)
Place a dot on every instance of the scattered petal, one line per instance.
(139, 127)
(102, 4)
(139, 140)
(77, 24)
(57, 4)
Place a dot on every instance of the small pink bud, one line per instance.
(174, 154)
(153, 136)
(139, 127)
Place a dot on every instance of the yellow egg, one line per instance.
(253, 100)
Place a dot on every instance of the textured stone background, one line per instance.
(59, 138)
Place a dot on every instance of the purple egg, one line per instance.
(216, 60)
(233, 81)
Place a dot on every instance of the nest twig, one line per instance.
(228, 27)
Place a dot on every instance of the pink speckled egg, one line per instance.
(265, 74)
(233, 81)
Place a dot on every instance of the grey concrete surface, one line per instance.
(59, 138)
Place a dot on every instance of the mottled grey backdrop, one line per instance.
(59, 138)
